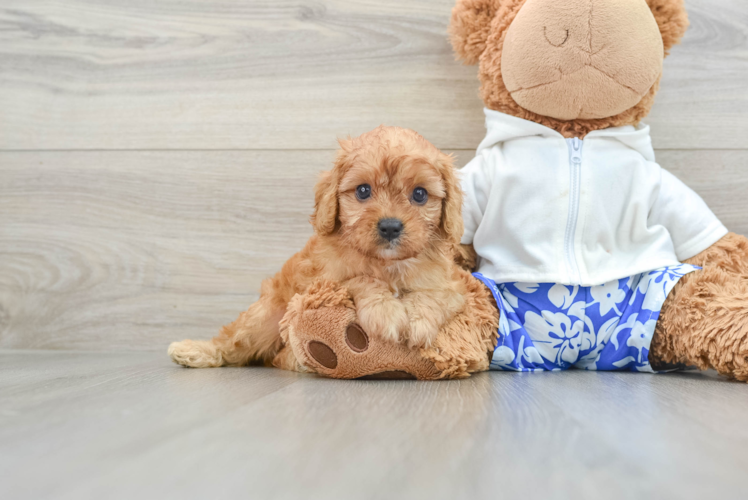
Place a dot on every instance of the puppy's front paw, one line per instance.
(388, 321)
(422, 333)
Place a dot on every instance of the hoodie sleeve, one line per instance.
(476, 186)
(692, 225)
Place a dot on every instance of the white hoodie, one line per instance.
(543, 209)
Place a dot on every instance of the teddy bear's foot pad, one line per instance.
(328, 340)
(322, 354)
(358, 342)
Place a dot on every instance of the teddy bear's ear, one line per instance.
(672, 18)
(470, 26)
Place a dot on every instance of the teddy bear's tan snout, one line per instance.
(582, 58)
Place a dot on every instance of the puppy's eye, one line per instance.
(363, 192)
(420, 196)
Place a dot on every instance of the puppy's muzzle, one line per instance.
(390, 229)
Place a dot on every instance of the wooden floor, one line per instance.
(79, 425)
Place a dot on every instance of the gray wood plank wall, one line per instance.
(157, 158)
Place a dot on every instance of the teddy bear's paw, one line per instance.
(740, 367)
(355, 338)
(330, 341)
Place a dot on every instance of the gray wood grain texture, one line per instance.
(132, 425)
(132, 250)
(282, 74)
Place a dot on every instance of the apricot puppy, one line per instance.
(387, 223)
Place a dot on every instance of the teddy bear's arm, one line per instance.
(693, 227)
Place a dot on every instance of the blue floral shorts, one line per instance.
(546, 326)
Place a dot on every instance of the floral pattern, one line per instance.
(548, 327)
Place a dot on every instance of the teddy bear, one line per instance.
(579, 232)
(596, 257)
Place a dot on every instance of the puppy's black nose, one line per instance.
(390, 229)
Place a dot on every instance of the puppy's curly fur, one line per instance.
(404, 290)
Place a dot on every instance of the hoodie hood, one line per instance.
(501, 127)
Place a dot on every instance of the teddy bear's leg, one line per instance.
(704, 321)
(321, 329)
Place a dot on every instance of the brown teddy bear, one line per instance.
(597, 258)
(587, 71)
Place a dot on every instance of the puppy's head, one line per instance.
(390, 195)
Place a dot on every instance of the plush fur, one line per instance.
(326, 316)
(704, 321)
(405, 292)
(478, 30)
(578, 59)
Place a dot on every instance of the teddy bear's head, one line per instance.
(572, 65)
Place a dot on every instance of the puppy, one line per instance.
(387, 223)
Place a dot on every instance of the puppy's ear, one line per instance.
(470, 26)
(451, 222)
(672, 18)
(325, 213)
(325, 216)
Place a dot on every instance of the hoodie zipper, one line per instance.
(575, 146)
